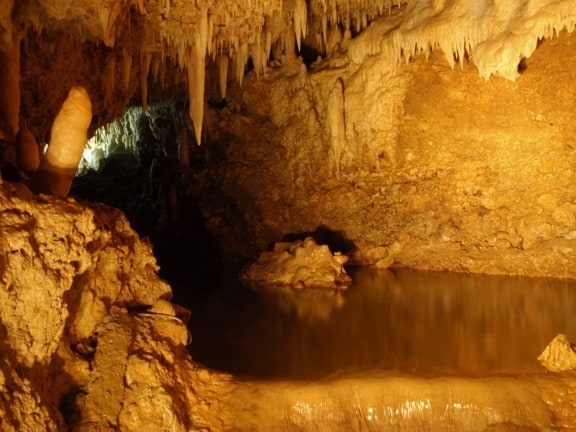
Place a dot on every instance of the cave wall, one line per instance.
(53, 62)
(434, 167)
(399, 137)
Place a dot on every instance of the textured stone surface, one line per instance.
(433, 168)
(441, 170)
(300, 264)
(559, 355)
(90, 342)
(89, 339)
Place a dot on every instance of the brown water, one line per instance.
(402, 321)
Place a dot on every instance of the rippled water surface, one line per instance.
(400, 321)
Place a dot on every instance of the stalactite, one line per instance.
(210, 35)
(336, 124)
(259, 57)
(196, 68)
(145, 59)
(109, 77)
(67, 141)
(109, 15)
(27, 152)
(155, 67)
(300, 21)
(162, 74)
(290, 57)
(357, 23)
(347, 35)
(126, 68)
(10, 84)
(241, 59)
(203, 30)
(222, 61)
(141, 7)
(334, 39)
(277, 54)
(268, 44)
(324, 31)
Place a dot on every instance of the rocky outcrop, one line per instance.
(299, 264)
(559, 355)
(89, 338)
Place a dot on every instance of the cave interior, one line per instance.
(431, 142)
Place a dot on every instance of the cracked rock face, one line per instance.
(89, 340)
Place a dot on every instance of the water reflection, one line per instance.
(407, 321)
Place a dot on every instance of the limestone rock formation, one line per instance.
(333, 92)
(435, 134)
(559, 355)
(300, 264)
(89, 340)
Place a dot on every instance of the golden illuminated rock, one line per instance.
(88, 331)
(301, 264)
(435, 134)
(67, 141)
(559, 355)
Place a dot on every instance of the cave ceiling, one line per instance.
(195, 35)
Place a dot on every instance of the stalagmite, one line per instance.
(222, 61)
(27, 152)
(335, 124)
(67, 141)
(145, 60)
(10, 84)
